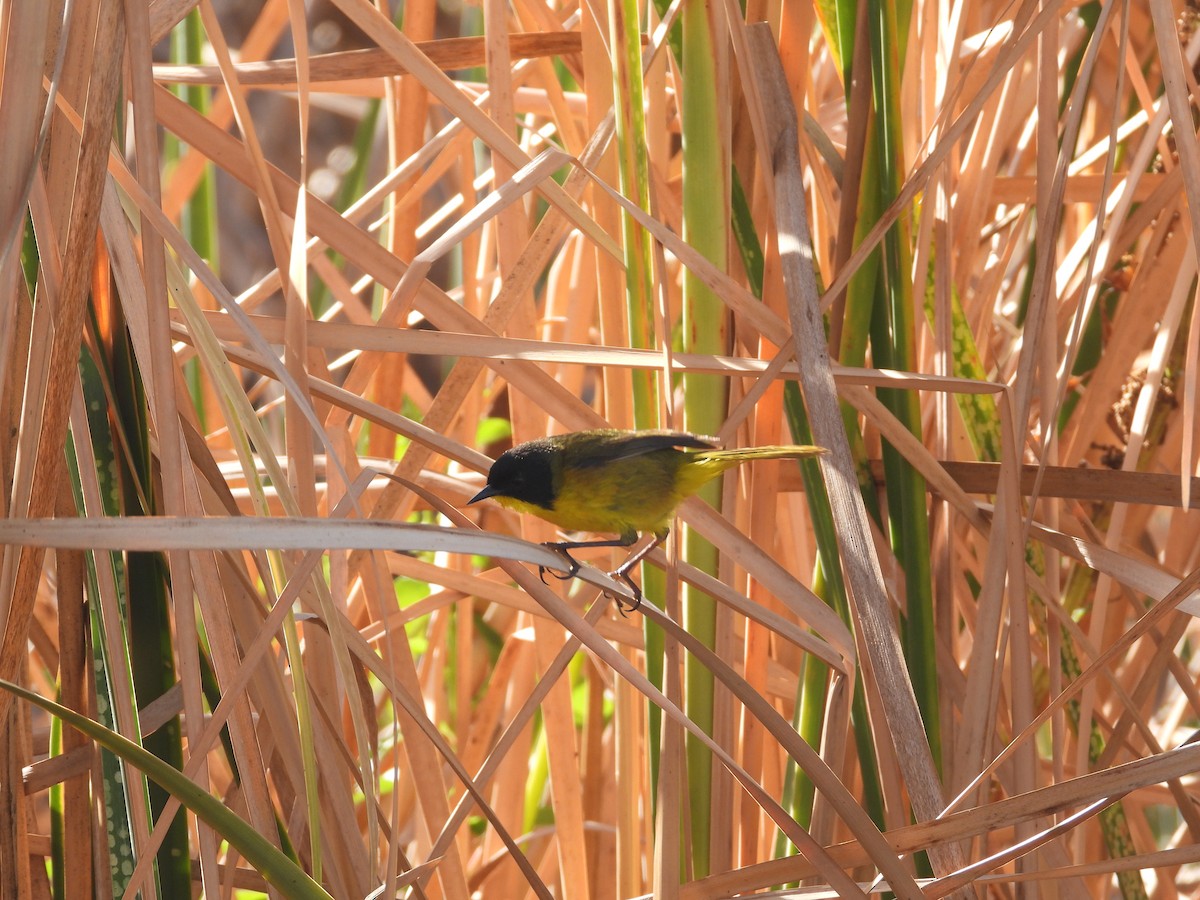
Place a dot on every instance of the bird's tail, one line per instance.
(708, 464)
(729, 458)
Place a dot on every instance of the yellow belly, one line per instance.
(624, 497)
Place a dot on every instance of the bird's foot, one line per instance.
(568, 573)
(622, 574)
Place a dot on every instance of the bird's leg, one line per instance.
(564, 548)
(621, 572)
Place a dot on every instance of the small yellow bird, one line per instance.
(626, 482)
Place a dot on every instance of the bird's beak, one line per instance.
(488, 491)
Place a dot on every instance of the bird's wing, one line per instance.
(639, 443)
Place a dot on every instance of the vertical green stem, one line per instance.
(634, 168)
(896, 348)
(705, 227)
(198, 220)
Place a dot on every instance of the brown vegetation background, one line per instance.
(260, 343)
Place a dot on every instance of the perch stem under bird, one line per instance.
(622, 482)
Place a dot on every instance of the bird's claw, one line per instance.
(564, 576)
(618, 575)
(569, 572)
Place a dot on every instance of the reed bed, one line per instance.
(281, 279)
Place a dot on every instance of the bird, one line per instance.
(612, 481)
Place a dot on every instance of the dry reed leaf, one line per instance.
(354, 65)
(22, 114)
